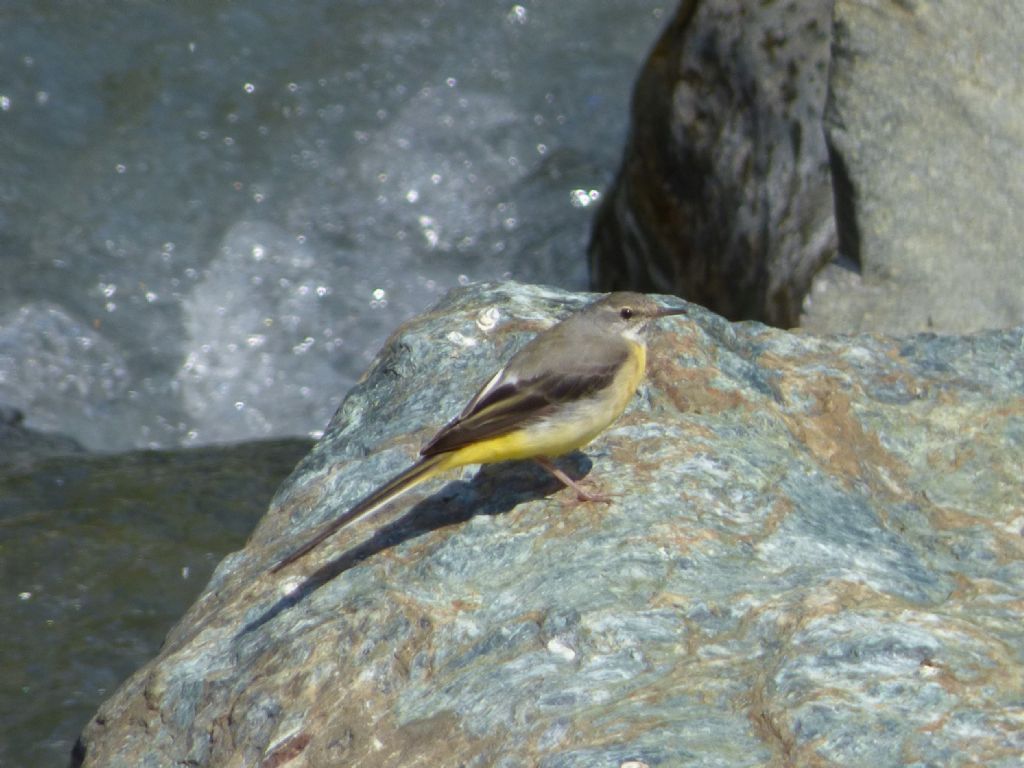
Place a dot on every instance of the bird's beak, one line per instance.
(668, 311)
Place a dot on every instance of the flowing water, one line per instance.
(211, 215)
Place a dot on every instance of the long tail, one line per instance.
(419, 472)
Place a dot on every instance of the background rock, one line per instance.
(728, 195)
(724, 195)
(815, 556)
(21, 446)
(99, 556)
(926, 123)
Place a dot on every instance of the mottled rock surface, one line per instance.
(814, 557)
(926, 122)
(724, 195)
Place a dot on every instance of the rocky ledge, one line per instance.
(815, 556)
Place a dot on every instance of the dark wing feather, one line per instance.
(510, 405)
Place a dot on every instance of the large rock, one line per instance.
(925, 119)
(724, 195)
(814, 556)
(729, 195)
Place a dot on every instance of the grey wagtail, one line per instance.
(553, 396)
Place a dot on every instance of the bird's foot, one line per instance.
(582, 494)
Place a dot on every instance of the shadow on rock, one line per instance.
(457, 502)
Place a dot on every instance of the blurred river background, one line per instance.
(211, 216)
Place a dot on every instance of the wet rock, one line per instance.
(21, 446)
(814, 555)
(724, 194)
(100, 554)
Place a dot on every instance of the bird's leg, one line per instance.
(581, 493)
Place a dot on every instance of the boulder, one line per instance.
(850, 170)
(724, 195)
(925, 121)
(815, 555)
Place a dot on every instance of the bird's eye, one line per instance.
(625, 313)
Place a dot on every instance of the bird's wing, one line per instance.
(521, 394)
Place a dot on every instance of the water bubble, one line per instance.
(304, 346)
(428, 226)
(517, 14)
(581, 198)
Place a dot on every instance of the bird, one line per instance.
(553, 396)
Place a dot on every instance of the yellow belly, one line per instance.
(571, 427)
